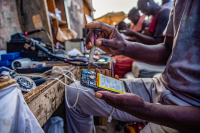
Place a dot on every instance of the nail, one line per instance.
(98, 42)
(98, 95)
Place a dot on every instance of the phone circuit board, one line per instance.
(92, 80)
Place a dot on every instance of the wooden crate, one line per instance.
(46, 98)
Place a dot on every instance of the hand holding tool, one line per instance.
(90, 61)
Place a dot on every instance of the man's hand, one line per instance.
(109, 39)
(129, 32)
(127, 102)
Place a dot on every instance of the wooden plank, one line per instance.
(51, 8)
(40, 89)
(32, 8)
(61, 6)
(103, 121)
(44, 101)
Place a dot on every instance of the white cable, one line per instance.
(59, 71)
(72, 78)
(110, 117)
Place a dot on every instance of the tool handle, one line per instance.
(91, 54)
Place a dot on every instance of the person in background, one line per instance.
(157, 25)
(167, 3)
(122, 26)
(139, 21)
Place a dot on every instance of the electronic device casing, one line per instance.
(94, 86)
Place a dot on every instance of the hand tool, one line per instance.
(90, 61)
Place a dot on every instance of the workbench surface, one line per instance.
(46, 98)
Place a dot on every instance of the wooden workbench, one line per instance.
(46, 98)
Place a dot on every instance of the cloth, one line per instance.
(138, 26)
(15, 116)
(182, 73)
(123, 65)
(159, 22)
(155, 128)
(168, 4)
(80, 118)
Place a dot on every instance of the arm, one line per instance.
(144, 38)
(185, 119)
(152, 54)
(161, 23)
(110, 41)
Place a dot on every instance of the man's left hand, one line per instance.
(127, 102)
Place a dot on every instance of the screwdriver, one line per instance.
(90, 61)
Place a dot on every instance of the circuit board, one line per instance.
(92, 80)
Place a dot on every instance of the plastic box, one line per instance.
(10, 56)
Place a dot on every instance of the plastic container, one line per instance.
(10, 56)
(5, 63)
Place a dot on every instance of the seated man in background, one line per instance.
(122, 26)
(157, 25)
(170, 102)
(139, 21)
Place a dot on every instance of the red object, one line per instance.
(123, 65)
(168, 36)
(26, 33)
(152, 25)
(134, 128)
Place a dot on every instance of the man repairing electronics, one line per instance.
(154, 33)
(169, 102)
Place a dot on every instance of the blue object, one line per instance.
(5, 63)
(10, 56)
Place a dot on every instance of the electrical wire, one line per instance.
(62, 72)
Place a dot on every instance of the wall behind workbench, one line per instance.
(9, 22)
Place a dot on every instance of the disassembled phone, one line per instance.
(100, 82)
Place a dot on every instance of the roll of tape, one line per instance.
(24, 63)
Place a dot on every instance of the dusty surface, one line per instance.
(9, 22)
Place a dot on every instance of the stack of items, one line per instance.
(7, 59)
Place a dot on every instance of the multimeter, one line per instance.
(100, 82)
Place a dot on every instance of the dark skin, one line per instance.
(152, 9)
(165, 1)
(135, 18)
(183, 118)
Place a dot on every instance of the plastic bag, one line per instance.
(54, 125)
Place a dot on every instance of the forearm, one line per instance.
(147, 39)
(185, 119)
(152, 54)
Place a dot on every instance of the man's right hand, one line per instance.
(109, 39)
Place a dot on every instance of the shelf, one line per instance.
(60, 22)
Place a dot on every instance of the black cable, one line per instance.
(39, 47)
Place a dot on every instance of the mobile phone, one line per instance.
(100, 82)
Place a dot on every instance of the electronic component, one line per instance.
(100, 82)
